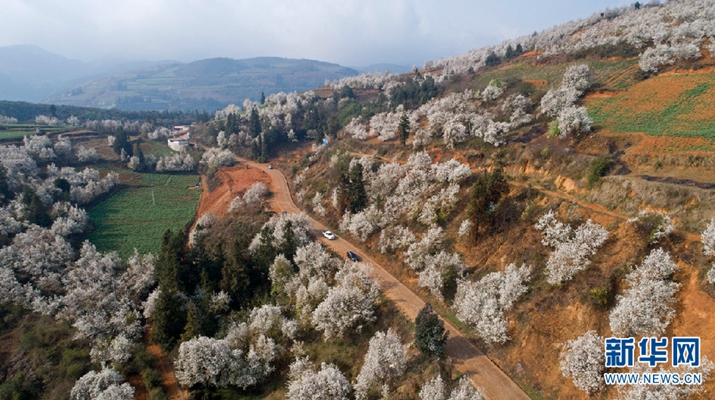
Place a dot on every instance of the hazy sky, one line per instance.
(349, 32)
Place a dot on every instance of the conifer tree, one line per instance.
(487, 191)
(192, 328)
(254, 123)
(234, 273)
(169, 318)
(430, 336)
(230, 124)
(357, 196)
(121, 142)
(404, 129)
(509, 52)
(5, 192)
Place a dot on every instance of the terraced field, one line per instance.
(614, 75)
(679, 104)
(14, 131)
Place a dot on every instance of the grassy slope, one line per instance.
(549, 315)
(671, 105)
(131, 219)
(38, 357)
(607, 73)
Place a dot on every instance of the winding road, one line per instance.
(467, 358)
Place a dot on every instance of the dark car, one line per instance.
(353, 257)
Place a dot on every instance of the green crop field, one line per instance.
(671, 105)
(7, 135)
(606, 74)
(138, 215)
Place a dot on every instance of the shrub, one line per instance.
(598, 168)
(653, 225)
(157, 394)
(152, 379)
(554, 130)
(600, 297)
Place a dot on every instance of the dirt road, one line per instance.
(168, 379)
(467, 358)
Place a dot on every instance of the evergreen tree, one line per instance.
(404, 129)
(263, 98)
(211, 266)
(230, 124)
(121, 142)
(169, 318)
(357, 196)
(5, 192)
(498, 186)
(290, 245)
(283, 271)
(429, 90)
(343, 191)
(234, 273)
(333, 127)
(519, 50)
(487, 192)
(173, 267)
(64, 186)
(262, 260)
(256, 147)
(264, 148)
(192, 328)
(137, 152)
(35, 210)
(492, 59)
(347, 92)
(254, 123)
(478, 205)
(430, 336)
(509, 52)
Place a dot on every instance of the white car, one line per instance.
(329, 235)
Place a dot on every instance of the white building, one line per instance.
(178, 144)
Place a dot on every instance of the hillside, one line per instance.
(587, 126)
(204, 85)
(29, 73)
(542, 195)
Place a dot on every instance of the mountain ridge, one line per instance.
(206, 84)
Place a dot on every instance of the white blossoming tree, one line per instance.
(572, 247)
(307, 384)
(349, 304)
(106, 384)
(583, 360)
(648, 290)
(482, 304)
(386, 359)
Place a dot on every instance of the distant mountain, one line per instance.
(204, 85)
(29, 73)
(393, 68)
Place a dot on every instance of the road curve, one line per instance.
(467, 358)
